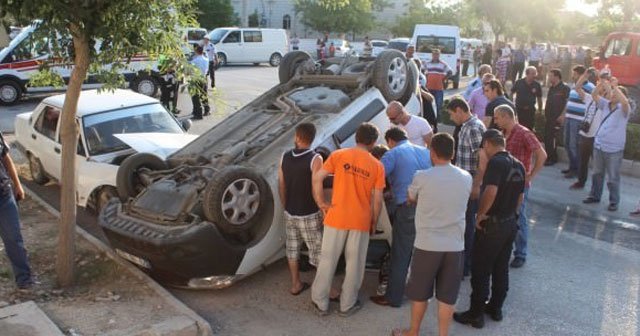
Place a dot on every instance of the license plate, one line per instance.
(134, 259)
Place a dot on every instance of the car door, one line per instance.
(45, 134)
(232, 46)
(255, 49)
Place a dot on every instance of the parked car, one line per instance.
(112, 125)
(620, 52)
(209, 214)
(29, 51)
(378, 46)
(342, 47)
(400, 43)
(249, 45)
(446, 38)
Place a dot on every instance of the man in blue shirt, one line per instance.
(400, 164)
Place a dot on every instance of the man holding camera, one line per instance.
(588, 127)
(496, 228)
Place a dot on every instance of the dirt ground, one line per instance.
(105, 299)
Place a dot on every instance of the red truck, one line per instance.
(621, 52)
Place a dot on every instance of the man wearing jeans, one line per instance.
(436, 71)
(350, 217)
(608, 146)
(573, 116)
(524, 146)
(400, 164)
(9, 220)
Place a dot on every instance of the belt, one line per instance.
(502, 219)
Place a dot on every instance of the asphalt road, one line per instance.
(582, 277)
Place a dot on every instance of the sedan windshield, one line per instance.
(216, 35)
(99, 129)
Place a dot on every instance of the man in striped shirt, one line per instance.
(573, 116)
(436, 71)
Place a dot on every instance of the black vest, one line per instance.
(296, 168)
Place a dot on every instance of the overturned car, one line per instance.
(208, 215)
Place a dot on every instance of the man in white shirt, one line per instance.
(200, 100)
(418, 129)
(210, 51)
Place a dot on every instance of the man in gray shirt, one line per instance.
(441, 194)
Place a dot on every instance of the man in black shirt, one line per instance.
(526, 91)
(557, 98)
(495, 94)
(503, 182)
(10, 192)
(303, 219)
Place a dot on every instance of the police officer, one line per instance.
(503, 183)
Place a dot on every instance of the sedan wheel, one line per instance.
(38, 174)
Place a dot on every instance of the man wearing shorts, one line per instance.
(303, 219)
(441, 194)
(350, 217)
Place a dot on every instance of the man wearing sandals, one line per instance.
(441, 194)
(303, 219)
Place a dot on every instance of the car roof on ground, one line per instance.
(93, 102)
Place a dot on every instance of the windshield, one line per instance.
(99, 129)
(217, 34)
(425, 44)
(402, 46)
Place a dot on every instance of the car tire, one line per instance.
(391, 75)
(38, 173)
(103, 196)
(222, 60)
(412, 77)
(290, 63)
(128, 183)
(145, 84)
(275, 59)
(237, 200)
(10, 92)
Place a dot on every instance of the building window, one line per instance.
(286, 22)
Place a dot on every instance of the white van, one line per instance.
(249, 45)
(446, 38)
(27, 52)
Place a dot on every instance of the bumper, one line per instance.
(173, 252)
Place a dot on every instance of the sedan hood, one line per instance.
(160, 144)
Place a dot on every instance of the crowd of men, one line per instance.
(457, 204)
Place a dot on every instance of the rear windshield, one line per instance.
(446, 44)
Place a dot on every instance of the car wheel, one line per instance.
(412, 77)
(10, 92)
(275, 59)
(290, 63)
(146, 85)
(128, 181)
(390, 75)
(104, 195)
(238, 200)
(222, 60)
(38, 174)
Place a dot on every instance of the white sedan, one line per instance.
(112, 126)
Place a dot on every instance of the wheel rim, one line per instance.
(8, 93)
(222, 59)
(36, 172)
(146, 87)
(240, 201)
(275, 59)
(397, 75)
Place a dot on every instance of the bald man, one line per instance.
(418, 129)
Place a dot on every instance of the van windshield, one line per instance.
(446, 44)
(217, 34)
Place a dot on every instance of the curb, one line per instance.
(203, 327)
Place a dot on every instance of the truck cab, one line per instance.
(620, 51)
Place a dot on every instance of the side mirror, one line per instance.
(186, 124)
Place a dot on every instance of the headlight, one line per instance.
(212, 282)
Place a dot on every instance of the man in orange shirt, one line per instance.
(350, 217)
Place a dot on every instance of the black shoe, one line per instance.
(613, 207)
(495, 314)
(196, 118)
(517, 262)
(590, 200)
(468, 318)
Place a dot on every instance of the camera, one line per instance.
(585, 126)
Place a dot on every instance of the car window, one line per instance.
(216, 35)
(233, 37)
(402, 46)
(366, 114)
(425, 44)
(47, 122)
(379, 44)
(100, 128)
(618, 47)
(252, 36)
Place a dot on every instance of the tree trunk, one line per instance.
(69, 139)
